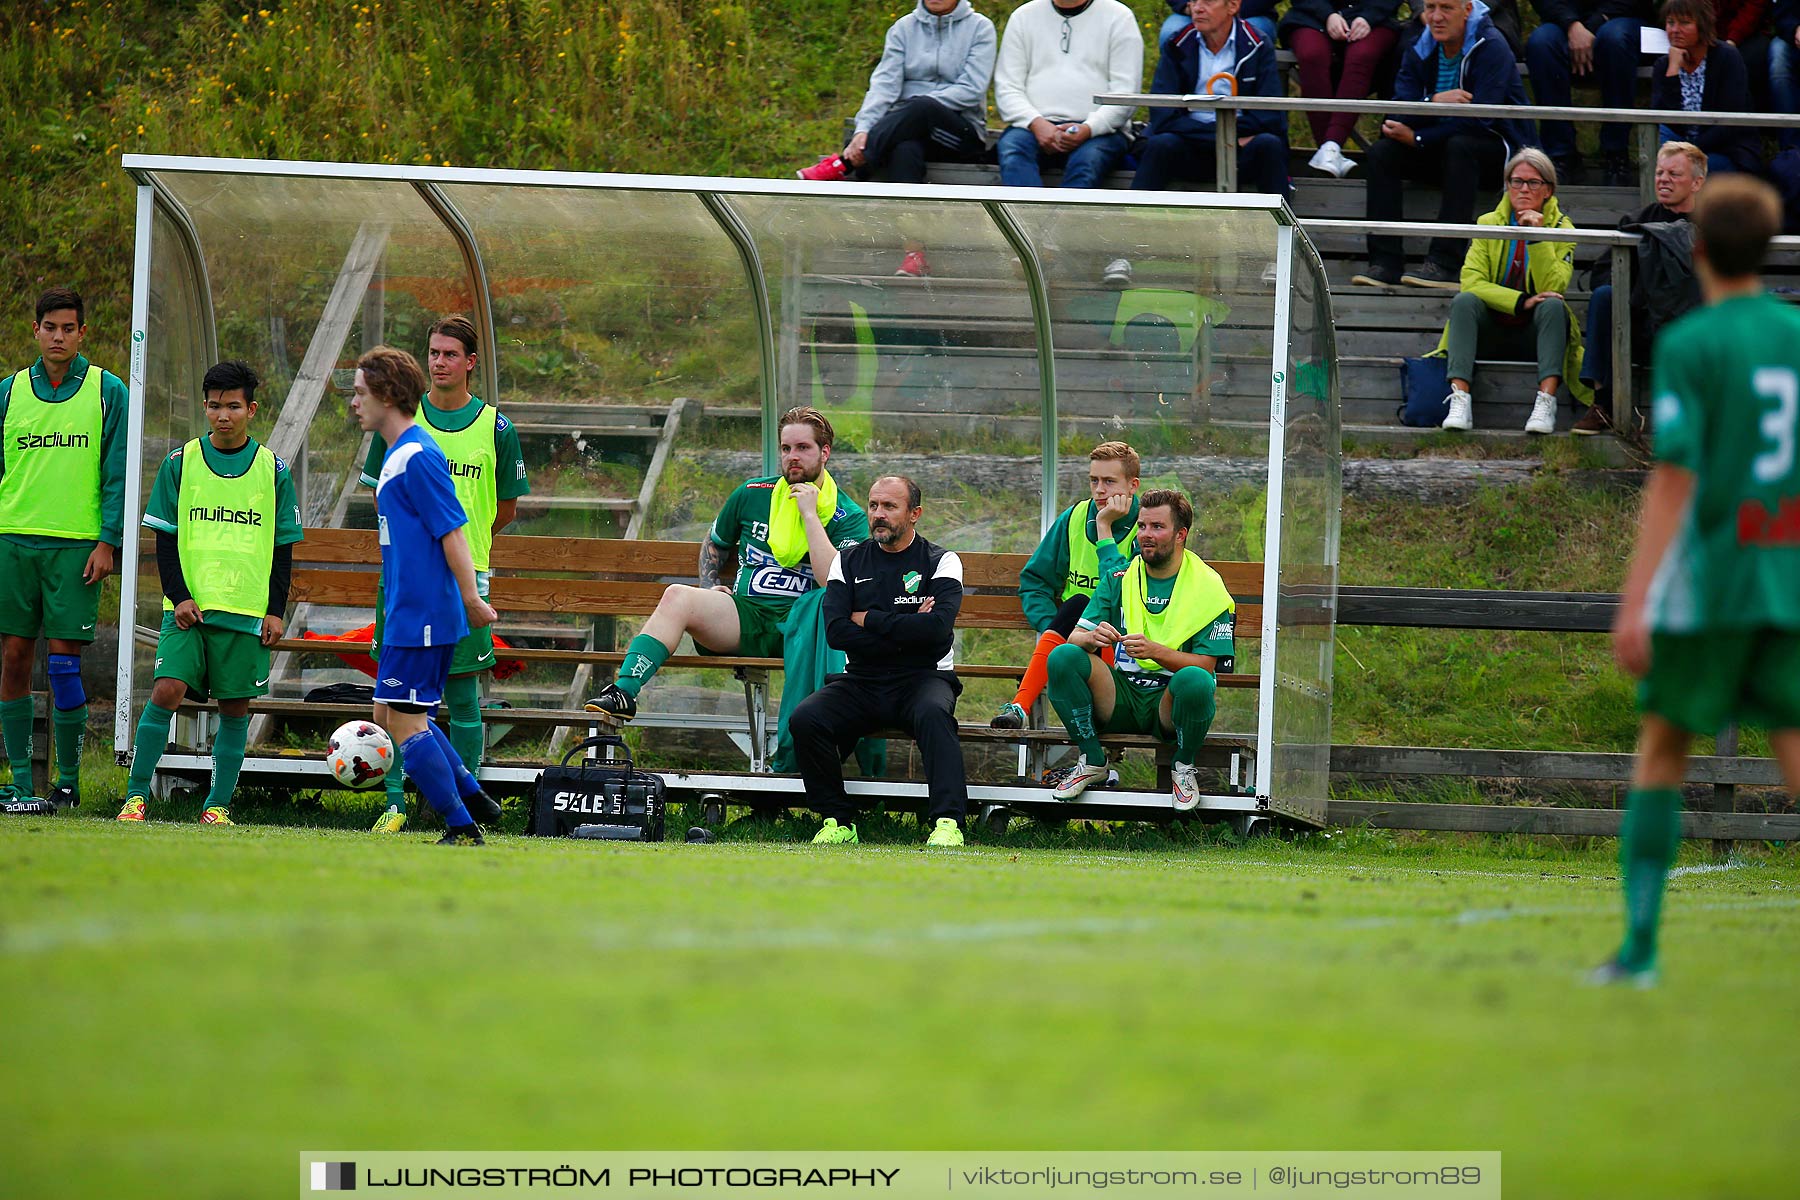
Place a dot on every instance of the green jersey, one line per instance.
(743, 525)
(114, 403)
(1726, 388)
(1047, 578)
(1215, 637)
(163, 513)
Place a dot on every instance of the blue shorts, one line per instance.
(413, 677)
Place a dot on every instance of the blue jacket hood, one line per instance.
(1480, 25)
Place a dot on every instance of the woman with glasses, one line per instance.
(1703, 74)
(1511, 304)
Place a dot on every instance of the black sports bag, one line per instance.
(597, 799)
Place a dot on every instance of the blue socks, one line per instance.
(431, 771)
(466, 783)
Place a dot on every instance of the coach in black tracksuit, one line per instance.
(890, 605)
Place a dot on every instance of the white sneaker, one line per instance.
(1079, 777)
(1462, 411)
(1543, 414)
(1329, 157)
(1187, 787)
(1117, 273)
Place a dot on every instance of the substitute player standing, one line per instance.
(487, 468)
(428, 583)
(226, 518)
(1710, 617)
(62, 511)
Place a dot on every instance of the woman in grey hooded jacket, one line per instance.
(927, 97)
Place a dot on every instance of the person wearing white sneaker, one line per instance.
(1170, 622)
(1339, 46)
(1511, 305)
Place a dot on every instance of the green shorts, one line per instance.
(41, 592)
(1136, 709)
(759, 633)
(1703, 682)
(474, 652)
(224, 664)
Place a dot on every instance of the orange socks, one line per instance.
(1037, 671)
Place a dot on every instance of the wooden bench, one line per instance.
(559, 576)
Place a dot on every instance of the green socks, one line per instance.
(152, 739)
(1193, 695)
(67, 729)
(642, 658)
(228, 759)
(1648, 841)
(1073, 701)
(396, 781)
(462, 697)
(15, 726)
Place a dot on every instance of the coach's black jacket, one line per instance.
(895, 637)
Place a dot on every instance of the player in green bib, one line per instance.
(781, 533)
(226, 519)
(1170, 622)
(62, 512)
(1090, 541)
(487, 469)
(1709, 621)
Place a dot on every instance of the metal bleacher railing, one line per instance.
(1619, 245)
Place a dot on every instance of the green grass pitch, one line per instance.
(188, 1007)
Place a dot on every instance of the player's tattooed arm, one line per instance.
(717, 563)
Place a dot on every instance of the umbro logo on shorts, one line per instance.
(393, 683)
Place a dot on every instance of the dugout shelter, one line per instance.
(644, 332)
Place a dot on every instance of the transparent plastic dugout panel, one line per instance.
(619, 317)
(932, 377)
(1300, 753)
(304, 275)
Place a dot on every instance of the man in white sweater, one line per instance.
(1055, 56)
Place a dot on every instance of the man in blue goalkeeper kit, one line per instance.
(428, 582)
(487, 468)
(1170, 622)
(62, 512)
(226, 518)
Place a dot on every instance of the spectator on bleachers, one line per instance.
(1702, 74)
(1459, 59)
(1340, 46)
(1597, 39)
(1259, 13)
(1746, 25)
(927, 97)
(1511, 304)
(1680, 173)
(1055, 57)
(1217, 54)
(1784, 68)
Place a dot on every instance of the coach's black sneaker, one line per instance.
(615, 702)
(483, 807)
(65, 795)
(462, 835)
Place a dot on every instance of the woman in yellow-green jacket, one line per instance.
(1511, 304)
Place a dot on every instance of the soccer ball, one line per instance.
(361, 753)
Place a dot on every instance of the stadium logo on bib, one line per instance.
(225, 516)
(45, 441)
(465, 470)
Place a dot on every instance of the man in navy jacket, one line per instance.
(1459, 59)
(1216, 54)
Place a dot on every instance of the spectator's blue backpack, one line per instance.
(1424, 390)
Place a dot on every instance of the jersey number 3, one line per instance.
(1781, 385)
